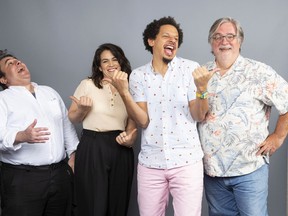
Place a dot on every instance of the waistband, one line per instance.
(97, 133)
(31, 167)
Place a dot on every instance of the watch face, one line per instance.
(203, 95)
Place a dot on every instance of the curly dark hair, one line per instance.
(3, 54)
(97, 75)
(153, 28)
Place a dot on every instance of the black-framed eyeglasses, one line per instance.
(228, 37)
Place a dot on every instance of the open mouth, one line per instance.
(225, 48)
(169, 50)
(111, 69)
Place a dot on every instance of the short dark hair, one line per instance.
(153, 28)
(97, 75)
(3, 54)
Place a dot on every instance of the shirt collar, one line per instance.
(35, 85)
(236, 64)
(171, 65)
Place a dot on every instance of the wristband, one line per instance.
(202, 95)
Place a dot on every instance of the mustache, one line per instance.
(225, 47)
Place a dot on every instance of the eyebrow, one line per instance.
(109, 58)
(8, 60)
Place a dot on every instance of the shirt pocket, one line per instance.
(53, 109)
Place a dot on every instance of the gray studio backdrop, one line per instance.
(57, 40)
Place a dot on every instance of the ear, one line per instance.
(3, 80)
(100, 69)
(151, 42)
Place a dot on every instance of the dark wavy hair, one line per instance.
(97, 75)
(3, 54)
(153, 28)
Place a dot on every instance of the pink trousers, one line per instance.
(184, 183)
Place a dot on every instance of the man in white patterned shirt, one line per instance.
(234, 135)
(169, 102)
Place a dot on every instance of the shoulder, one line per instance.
(47, 90)
(86, 83)
(141, 72)
(141, 69)
(183, 62)
(258, 66)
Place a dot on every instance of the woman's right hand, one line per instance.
(84, 104)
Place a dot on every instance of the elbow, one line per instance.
(199, 118)
(73, 120)
(143, 124)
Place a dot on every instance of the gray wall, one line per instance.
(57, 40)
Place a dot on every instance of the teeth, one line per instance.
(169, 47)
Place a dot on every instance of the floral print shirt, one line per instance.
(171, 138)
(239, 108)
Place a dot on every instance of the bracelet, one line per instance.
(202, 95)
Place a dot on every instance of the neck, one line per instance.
(224, 66)
(160, 67)
(30, 88)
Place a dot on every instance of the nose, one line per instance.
(172, 39)
(110, 63)
(224, 39)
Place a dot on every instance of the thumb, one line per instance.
(107, 79)
(212, 72)
(132, 132)
(73, 98)
(33, 123)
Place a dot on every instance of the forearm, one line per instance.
(20, 137)
(137, 112)
(199, 108)
(76, 116)
(281, 128)
(131, 129)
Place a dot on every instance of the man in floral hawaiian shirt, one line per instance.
(234, 135)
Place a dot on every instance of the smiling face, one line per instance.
(108, 63)
(165, 45)
(16, 72)
(223, 49)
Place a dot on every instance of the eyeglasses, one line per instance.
(219, 37)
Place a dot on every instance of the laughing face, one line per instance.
(225, 49)
(108, 64)
(16, 72)
(165, 45)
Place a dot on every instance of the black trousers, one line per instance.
(36, 191)
(103, 175)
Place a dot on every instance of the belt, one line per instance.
(31, 167)
(97, 133)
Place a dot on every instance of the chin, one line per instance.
(167, 60)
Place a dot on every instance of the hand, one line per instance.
(125, 138)
(71, 161)
(201, 77)
(33, 134)
(119, 80)
(84, 104)
(270, 145)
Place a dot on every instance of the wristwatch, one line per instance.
(202, 95)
